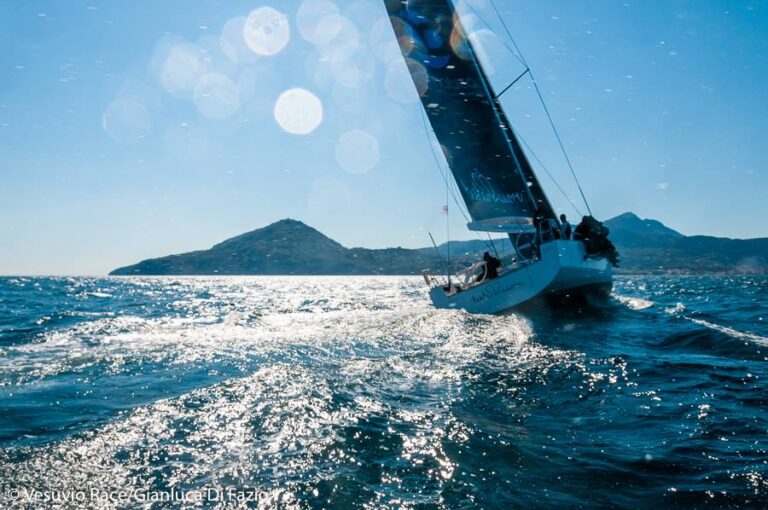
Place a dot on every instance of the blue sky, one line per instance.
(137, 129)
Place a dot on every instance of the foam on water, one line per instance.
(634, 303)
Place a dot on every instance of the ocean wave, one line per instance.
(355, 392)
(298, 421)
(742, 335)
(713, 342)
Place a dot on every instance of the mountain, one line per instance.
(629, 231)
(647, 246)
(291, 247)
(285, 247)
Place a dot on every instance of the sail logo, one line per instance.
(481, 189)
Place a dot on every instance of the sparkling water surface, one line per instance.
(353, 392)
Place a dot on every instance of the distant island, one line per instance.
(290, 247)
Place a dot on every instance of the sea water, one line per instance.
(336, 392)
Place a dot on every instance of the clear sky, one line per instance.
(137, 129)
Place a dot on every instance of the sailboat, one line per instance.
(495, 179)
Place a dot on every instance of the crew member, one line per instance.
(582, 231)
(565, 228)
(492, 265)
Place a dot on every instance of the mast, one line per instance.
(493, 174)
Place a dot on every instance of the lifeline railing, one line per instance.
(468, 277)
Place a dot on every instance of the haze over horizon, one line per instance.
(135, 130)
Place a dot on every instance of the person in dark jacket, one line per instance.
(582, 230)
(492, 265)
(594, 235)
(565, 228)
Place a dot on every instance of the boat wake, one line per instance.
(701, 340)
(741, 335)
(679, 311)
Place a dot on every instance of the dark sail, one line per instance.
(490, 168)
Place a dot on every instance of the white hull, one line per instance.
(563, 269)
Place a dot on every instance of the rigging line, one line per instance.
(439, 166)
(513, 83)
(444, 174)
(562, 146)
(517, 51)
(516, 54)
(543, 104)
(493, 245)
(546, 170)
(448, 232)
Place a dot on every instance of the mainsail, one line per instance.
(491, 170)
